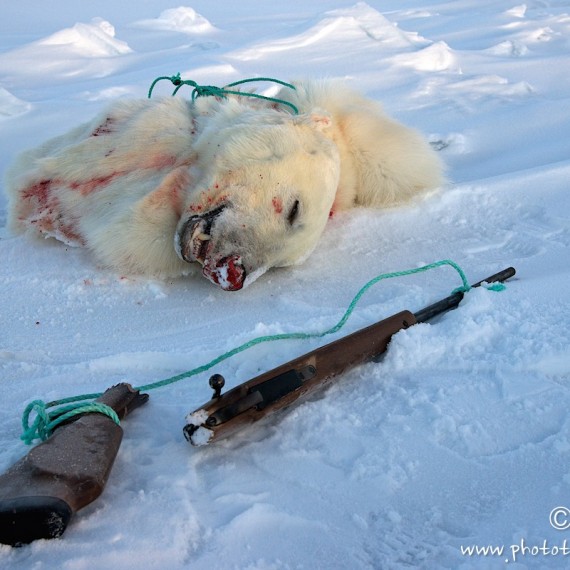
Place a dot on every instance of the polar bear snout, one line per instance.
(192, 241)
(228, 272)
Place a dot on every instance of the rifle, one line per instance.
(40, 493)
(276, 389)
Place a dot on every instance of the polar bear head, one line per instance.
(264, 184)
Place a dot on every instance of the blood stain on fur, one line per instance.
(104, 129)
(159, 161)
(277, 205)
(39, 190)
(70, 234)
(43, 205)
(46, 215)
(89, 186)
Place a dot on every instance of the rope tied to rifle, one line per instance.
(223, 92)
(45, 422)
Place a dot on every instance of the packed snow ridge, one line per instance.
(11, 106)
(182, 19)
(96, 39)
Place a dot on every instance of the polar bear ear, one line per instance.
(318, 118)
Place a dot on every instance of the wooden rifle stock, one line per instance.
(293, 381)
(41, 492)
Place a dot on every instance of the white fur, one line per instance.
(125, 184)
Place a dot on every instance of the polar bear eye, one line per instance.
(293, 213)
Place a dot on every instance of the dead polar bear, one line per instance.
(235, 184)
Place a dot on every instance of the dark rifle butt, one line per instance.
(42, 491)
(279, 388)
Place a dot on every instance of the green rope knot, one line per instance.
(45, 422)
(495, 286)
(223, 92)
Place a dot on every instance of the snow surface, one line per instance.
(460, 437)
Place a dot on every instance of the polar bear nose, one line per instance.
(192, 241)
(228, 272)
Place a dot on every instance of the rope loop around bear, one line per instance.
(45, 422)
(223, 92)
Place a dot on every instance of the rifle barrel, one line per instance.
(453, 300)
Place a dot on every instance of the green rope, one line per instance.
(45, 422)
(213, 91)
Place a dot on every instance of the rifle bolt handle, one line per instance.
(217, 382)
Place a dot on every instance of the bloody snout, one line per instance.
(194, 243)
(228, 272)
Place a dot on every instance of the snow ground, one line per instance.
(460, 437)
